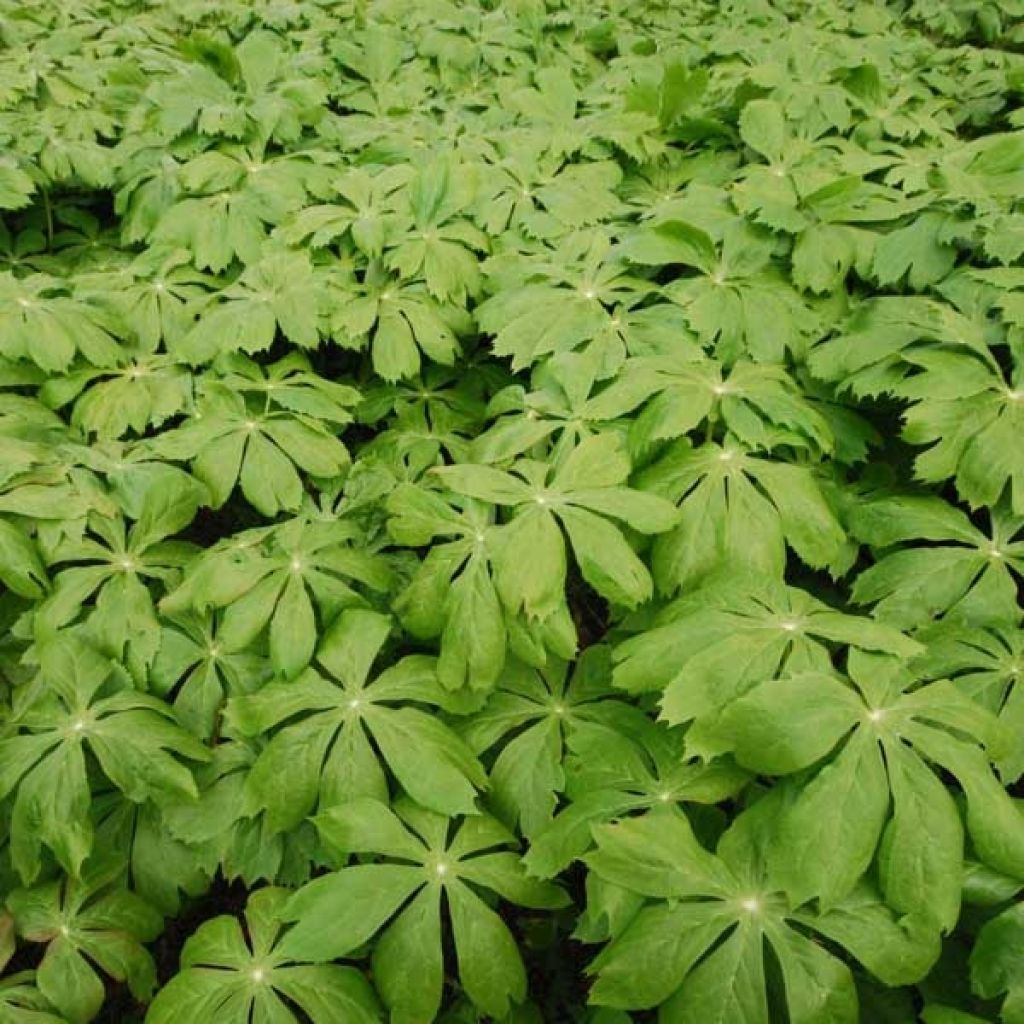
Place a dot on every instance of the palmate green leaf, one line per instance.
(739, 512)
(79, 709)
(968, 414)
(430, 239)
(364, 211)
(887, 735)
(986, 664)
(971, 576)
(80, 159)
(741, 305)
(885, 338)
(229, 443)
(832, 243)
(809, 189)
(758, 405)
(476, 631)
(452, 594)
(400, 323)
(449, 397)
(558, 406)
(697, 950)
(531, 720)
(540, 194)
(711, 646)
(155, 295)
(552, 104)
(554, 410)
(194, 670)
(336, 913)
(539, 320)
(41, 323)
(227, 976)
(620, 764)
(215, 229)
(320, 753)
(280, 293)
(220, 205)
(110, 403)
(289, 384)
(589, 486)
(280, 581)
(563, 300)
(85, 924)
(670, 95)
(180, 102)
(414, 444)
(114, 565)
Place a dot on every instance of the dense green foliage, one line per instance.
(528, 492)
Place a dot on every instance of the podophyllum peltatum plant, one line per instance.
(511, 510)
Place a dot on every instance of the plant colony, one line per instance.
(532, 492)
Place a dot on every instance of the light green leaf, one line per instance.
(728, 985)
(428, 759)
(67, 980)
(606, 561)
(292, 629)
(646, 964)
(484, 483)
(827, 836)
(337, 913)
(763, 128)
(490, 968)
(783, 726)
(407, 961)
(819, 987)
(920, 861)
(530, 564)
(367, 826)
(657, 855)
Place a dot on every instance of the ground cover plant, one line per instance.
(511, 510)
